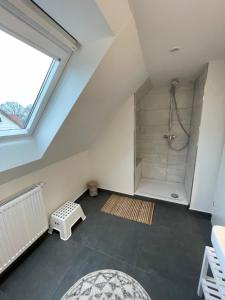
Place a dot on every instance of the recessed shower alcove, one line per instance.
(167, 122)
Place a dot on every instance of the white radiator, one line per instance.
(22, 221)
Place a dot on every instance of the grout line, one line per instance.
(107, 255)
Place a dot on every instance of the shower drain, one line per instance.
(174, 195)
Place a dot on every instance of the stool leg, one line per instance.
(65, 234)
(204, 271)
(82, 215)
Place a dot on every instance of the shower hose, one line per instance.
(174, 101)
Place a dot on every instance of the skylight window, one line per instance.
(34, 51)
(24, 72)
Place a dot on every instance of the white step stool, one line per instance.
(65, 217)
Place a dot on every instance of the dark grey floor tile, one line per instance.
(3, 296)
(157, 286)
(111, 235)
(180, 219)
(55, 250)
(165, 257)
(39, 275)
(119, 234)
(30, 282)
(168, 253)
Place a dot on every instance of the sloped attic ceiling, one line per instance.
(120, 73)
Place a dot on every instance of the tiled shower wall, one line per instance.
(152, 116)
(194, 131)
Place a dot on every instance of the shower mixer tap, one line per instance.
(169, 137)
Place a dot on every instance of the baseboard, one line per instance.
(6, 273)
(79, 195)
(194, 212)
(115, 192)
(199, 212)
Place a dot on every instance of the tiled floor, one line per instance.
(164, 257)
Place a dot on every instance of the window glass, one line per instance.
(23, 72)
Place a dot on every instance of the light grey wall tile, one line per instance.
(154, 117)
(152, 171)
(177, 160)
(185, 115)
(152, 132)
(175, 174)
(184, 98)
(155, 101)
(159, 159)
(149, 147)
(160, 162)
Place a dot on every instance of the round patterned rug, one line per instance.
(104, 285)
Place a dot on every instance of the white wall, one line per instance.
(211, 138)
(112, 154)
(218, 214)
(110, 160)
(65, 180)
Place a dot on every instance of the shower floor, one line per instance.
(162, 190)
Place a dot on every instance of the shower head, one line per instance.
(174, 82)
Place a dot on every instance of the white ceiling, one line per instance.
(196, 26)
